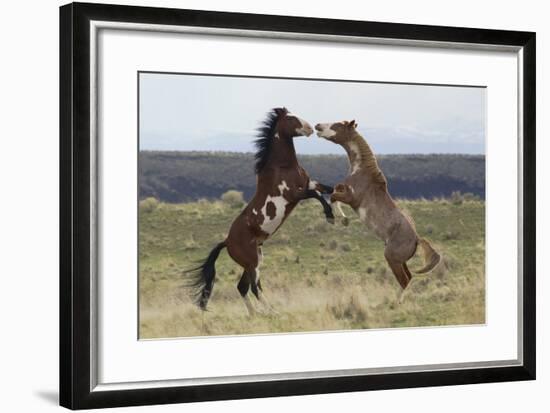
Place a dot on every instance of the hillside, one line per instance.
(188, 176)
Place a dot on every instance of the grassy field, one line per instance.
(318, 276)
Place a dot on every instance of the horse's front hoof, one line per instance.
(331, 220)
(345, 221)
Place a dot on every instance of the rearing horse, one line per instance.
(281, 183)
(365, 189)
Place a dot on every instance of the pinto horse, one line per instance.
(281, 183)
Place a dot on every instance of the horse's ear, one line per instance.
(281, 111)
(353, 124)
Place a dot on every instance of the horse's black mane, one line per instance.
(265, 138)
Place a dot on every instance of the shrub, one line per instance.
(190, 244)
(281, 239)
(233, 198)
(457, 198)
(451, 235)
(381, 274)
(148, 205)
(353, 309)
(468, 196)
(320, 227)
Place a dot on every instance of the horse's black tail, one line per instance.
(203, 277)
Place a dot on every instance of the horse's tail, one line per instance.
(203, 277)
(430, 255)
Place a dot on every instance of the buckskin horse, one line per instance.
(281, 183)
(365, 189)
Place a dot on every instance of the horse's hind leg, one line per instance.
(396, 260)
(399, 249)
(408, 287)
(256, 285)
(242, 247)
(258, 292)
(401, 274)
(243, 287)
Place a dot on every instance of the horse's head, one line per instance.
(291, 125)
(337, 132)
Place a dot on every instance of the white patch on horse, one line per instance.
(362, 214)
(270, 225)
(254, 211)
(260, 258)
(305, 129)
(249, 306)
(282, 186)
(355, 164)
(312, 185)
(277, 135)
(326, 131)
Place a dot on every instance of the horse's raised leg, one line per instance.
(324, 189)
(327, 209)
(338, 206)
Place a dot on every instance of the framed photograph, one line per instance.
(257, 206)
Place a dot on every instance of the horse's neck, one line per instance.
(361, 158)
(283, 152)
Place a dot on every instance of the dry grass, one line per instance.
(317, 276)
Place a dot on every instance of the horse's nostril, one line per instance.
(318, 126)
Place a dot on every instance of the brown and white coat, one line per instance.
(281, 184)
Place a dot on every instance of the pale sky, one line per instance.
(208, 113)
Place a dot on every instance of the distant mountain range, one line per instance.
(172, 176)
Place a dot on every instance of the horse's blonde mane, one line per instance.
(368, 160)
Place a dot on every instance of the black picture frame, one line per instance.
(75, 220)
